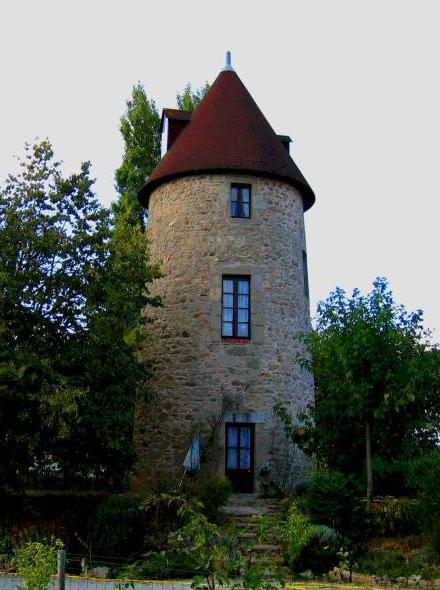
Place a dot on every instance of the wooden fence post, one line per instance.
(61, 569)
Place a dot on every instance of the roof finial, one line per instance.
(228, 67)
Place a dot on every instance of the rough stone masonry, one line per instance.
(202, 380)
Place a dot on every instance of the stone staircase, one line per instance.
(258, 542)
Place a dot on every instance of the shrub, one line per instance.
(213, 492)
(296, 534)
(394, 564)
(424, 475)
(393, 516)
(329, 499)
(117, 526)
(37, 530)
(168, 564)
(320, 552)
(36, 562)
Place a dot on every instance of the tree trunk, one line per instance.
(368, 463)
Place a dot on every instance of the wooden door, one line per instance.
(239, 460)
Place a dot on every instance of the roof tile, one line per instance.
(228, 132)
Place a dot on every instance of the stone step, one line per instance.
(236, 510)
(243, 498)
(266, 548)
(270, 560)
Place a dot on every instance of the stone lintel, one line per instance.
(251, 417)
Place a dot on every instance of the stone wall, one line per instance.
(200, 379)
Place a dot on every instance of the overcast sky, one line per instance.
(355, 83)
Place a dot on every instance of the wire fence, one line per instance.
(97, 572)
(15, 582)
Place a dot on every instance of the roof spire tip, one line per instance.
(228, 66)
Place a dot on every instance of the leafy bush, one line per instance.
(394, 564)
(37, 530)
(296, 534)
(117, 526)
(435, 536)
(163, 516)
(213, 492)
(393, 516)
(167, 564)
(36, 562)
(329, 500)
(320, 553)
(206, 544)
(424, 475)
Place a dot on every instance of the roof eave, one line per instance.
(307, 193)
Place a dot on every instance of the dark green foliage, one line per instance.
(70, 331)
(167, 564)
(374, 374)
(191, 98)
(435, 536)
(213, 492)
(320, 553)
(117, 527)
(162, 517)
(330, 500)
(140, 132)
(392, 516)
(296, 534)
(424, 475)
(206, 544)
(393, 564)
(307, 545)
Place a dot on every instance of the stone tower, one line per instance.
(226, 222)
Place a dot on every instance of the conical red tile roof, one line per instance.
(228, 132)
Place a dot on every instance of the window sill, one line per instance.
(229, 340)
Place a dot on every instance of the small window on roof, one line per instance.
(240, 200)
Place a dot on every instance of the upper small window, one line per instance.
(240, 200)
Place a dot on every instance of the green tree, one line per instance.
(70, 333)
(374, 373)
(140, 133)
(53, 236)
(191, 98)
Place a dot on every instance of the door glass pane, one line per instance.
(243, 287)
(227, 314)
(227, 329)
(228, 286)
(243, 301)
(243, 330)
(246, 210)
(243, 315)
(228, 300)
(233, 437)
(245, 459)
(245, 438)
(232, 460)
